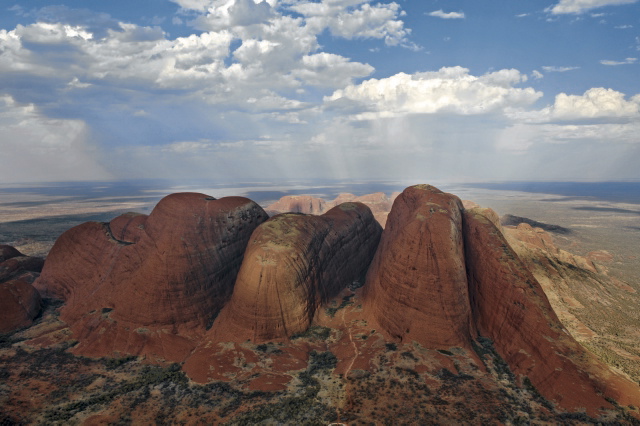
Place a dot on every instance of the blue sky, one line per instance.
(346, 89)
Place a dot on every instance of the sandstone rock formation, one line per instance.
(510, 307)
(416, 288)
(600, 311)
(7, 252)
(20, 304)
(15, 265)
(208, 281)
(379, 203)
(298, 204)
(293, 264)
(150, 285)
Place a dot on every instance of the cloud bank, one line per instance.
(253, 92)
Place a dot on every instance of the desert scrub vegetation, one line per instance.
(315, 332)
(304, 407)
(268, 348)
(346, 301)
(149, 376)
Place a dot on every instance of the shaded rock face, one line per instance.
(416, 288)
(20, 304)
(7, 252)
(510, 307)
(293, 264)
(139, 281)
(15, 265)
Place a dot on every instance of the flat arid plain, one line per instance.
(598, 222)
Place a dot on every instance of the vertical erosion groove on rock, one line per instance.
(416, 288)
(133, 283)
(510, 307)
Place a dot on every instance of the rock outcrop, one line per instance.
(293, 264)
(20, 304)
(16, 266)
(150, 285)
(510, 307)
(416, 288)
(7, 252)
(298, 204)
(379, 203)
(596, 308)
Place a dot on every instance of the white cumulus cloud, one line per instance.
(449, 90)
(594, 103)
(352, 19)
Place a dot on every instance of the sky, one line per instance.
(251, 90)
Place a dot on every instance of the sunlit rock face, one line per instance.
(416, 288)
(293, 264)
(139, 282)
(510, 307)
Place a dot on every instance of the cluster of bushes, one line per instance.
(346, 301)
(315, 332)
(304, 408)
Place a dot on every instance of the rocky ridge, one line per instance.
(153, 286)
(294, 264)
